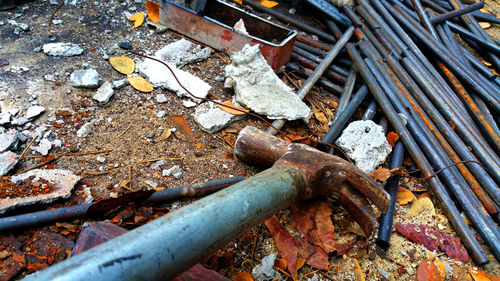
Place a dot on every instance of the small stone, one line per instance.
(85, 78)
(24, 27)
(175, 171)
(265, 270)
(4, 118)
(49, 77)
(212, 119)
(104, 93)
(161, 114)
(258, 88)
(43, 147)
(159, 27)
(188, 103)
(151, 183)
(101, 159)
(157, 164)
(8, 140)
(182, 52)
(118, 84)
(4, 62)
(7, 161)
(62, 49)
(219, 79)
(84, 130)
(125, 45)
(55, 22)
(20, 121)
(34, 111)
(365, 143)
(161, 98)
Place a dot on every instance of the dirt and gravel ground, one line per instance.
(129, 128)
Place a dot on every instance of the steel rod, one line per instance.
(346, 93)
(329, 86)
(455, 13)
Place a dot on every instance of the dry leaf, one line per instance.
(165, 135)
(138, 19)
(243, 276)
(182, 126)
(319, 115)
(280, 263)
(487, 63)
(441, 268)
(380, 174)
(153, 10)
(392, 138)
(478, 275)
(358, 272)
(434, 239)
(284, 242)
(140, 84)
(124, 65)
(227, 109)
(485, 11)
(484, 25)
(324, 227)
(422, 205)
(427, 271)
(239, 2)
(405, 196)
(268, 4)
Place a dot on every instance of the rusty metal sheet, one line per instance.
(214, 27)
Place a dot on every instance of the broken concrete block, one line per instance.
(161, 98)
(104, 93)
(265, 270)
(62, 49)
(34, 111)
(258, 88)
(84, 130)
(85, 78)
(182, 52)
(212, 119)
(118, 84)
(62, 182)
(5, 118)
(8, 160)
(159, 76)
(43, 147)
(365, 143)
(175, 172)
(8, 140)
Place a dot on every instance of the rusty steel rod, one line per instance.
(468, 239)
(346, 93)
(309, 83)
(455, 13)
(328, 73)
(71, 212)
(305, 73)
(492, 47)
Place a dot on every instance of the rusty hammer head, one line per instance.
(324, 174)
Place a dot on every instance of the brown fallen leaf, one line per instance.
(153, 11)
(380, 174)
(441, 268)
(313, 255)
(140, 84)
(243, 276)
(230, 110)
(434, 239)
(280, 263)
(138, 19)
(427, 271)
(405, 196)
(182, 126)
(324, 227)
(422, 205)
(124, 65)
(478, 274)
(166, 134)
(284, 242)
(392, 138)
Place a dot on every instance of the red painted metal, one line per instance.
(214, 27)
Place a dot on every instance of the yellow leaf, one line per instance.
(165, 135)
(153, 10)
(243, 276)
(268, 3)
(485, 62)
(239, 2)
(485, 11)
(358, 272)
(140, 84)
(405, 196)
(124, 65)
(485, 25)
(226, 106)
(138, 19)
(441, 268)
(422, 205)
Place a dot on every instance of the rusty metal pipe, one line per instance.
(329, 86)
(471, 244)
(346, 93)
(492, 47)
(455, 13)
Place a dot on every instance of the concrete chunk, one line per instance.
(182, 52)
(8, 160)
(365, 143)
(104, 93)
(212, 119)
(62, 49)
(8, 140)
(258, 88)
(85, 78)
(34, 111)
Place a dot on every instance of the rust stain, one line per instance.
(226, 35)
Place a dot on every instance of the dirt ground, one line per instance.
(128, 127)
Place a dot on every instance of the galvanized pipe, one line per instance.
(370, 111)
(470, 243)
(309, 83)
(318, 59)
(492, 47)
(165, 247)
(346, 93)
(328, 73)
(455, 13)
(329, 86)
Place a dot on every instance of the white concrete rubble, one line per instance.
(118, 84)
(258, 88)
(175, 172)
(211, 118)
(62, 49)
(85, 78)
(43, 147)
(365, 143)
(161, 98)
(8, 160)
(84, 130)
(104, 93)
(182, 52)
(34, 111)
(8, 140)
(265, 270)
(63, 181)
(159, 76)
